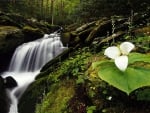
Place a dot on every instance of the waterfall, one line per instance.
(27, 61)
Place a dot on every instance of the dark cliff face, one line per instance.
(5, 101)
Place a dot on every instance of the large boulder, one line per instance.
(15, 19)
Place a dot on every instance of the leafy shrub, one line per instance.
(76, 64)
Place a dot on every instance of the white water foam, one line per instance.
(27, 61)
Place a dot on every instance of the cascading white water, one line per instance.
(27, 61)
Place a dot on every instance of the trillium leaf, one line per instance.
(121, 62)
(128, 81)
(138, 57)
(135, 76)
(112, 52)
(126, 47)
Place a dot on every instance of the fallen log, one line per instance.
(100, 30)
(112, 37)
(54, 63)
(85, 26)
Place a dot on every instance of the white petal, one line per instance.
(126, 47)
(112, 52)
(121, 62)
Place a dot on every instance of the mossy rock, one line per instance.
(15, 19)
(58, 96)
(74, 41)
(70, 39)
(18, 19)
(5, 20)
(65, 38)
(32, 95)
(56, 101)
(53, 28)
(32, 33)
(32, 22)
(12, 19)
(10, 38)
(42, 25)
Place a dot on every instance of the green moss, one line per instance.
(33, 95)
(8, 29)
(56, 100)
(65, 38)
(10, 38)
(53, 28)
(32, 33)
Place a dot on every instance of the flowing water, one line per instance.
(27, 61)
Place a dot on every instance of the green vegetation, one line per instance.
(67, 12)
(86, 84)
(74, 86)
(32, 33)
(10, 38)
(82, 80)
(58, 11)
(136, 75)
(56, 100)
(58, 87)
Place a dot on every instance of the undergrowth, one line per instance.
(74, 87)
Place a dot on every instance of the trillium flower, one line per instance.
(119, 54)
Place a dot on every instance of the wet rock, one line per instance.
(32, 33)
(8, 82)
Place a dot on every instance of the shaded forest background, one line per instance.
(64, 12)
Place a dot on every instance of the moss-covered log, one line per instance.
(54, 62)
(85, 26)
(100, 30)
(110, 39)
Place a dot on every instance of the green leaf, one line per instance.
(128, 81)
(91, 109)
(80, 79)
(136, 57)
(96, 64)
(135, 76)
(143, 94)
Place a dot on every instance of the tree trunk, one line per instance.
(52, 12)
